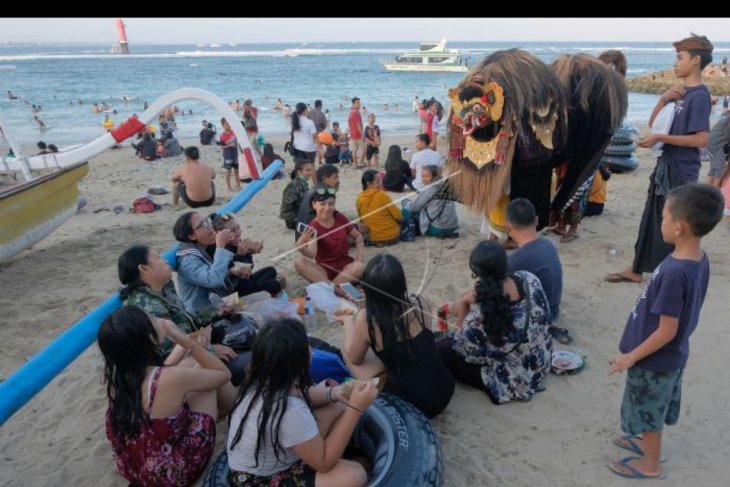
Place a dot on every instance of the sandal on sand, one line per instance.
(619, 277)
(562, 335)
(627, 443)
(631, 472)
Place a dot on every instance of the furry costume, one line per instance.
(513, 119)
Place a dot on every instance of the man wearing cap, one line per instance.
(679, 162)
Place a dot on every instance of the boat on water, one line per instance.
(430, 57)
(39, 192)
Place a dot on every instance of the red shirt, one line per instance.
(354, 122)
(429, 125)
(333, 248)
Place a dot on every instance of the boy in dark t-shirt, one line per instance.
(680, 159)
(655, 343)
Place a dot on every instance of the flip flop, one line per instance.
(631, 445)
(633, 473)
(562, 335)
(618, 277)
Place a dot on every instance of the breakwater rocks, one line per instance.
(717, 81)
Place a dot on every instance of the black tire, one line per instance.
(397, 437)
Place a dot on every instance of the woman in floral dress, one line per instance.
(502, 344)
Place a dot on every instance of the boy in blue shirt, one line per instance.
(680, 159)
(655, 343)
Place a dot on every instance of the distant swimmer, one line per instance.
(96, 108)
(41, 124)
(11, 96)
(108, 123)
(395, 107)
(279, 105)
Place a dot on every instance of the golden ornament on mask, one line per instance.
(480, 153)
(544, 132)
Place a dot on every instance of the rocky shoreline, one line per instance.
(659, 81)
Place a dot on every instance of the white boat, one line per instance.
(431, 56)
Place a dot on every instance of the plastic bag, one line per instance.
(324, 299)
(269, 308)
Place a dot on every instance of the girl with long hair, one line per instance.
(502, 344)
(393, 335)
(147, 281)
(161, 419)
(304, 133)
(285, 432)
(397, 171)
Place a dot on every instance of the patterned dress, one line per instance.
(514, 371)
(170, 451)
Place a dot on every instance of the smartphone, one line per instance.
(302, 227)
(352, 292)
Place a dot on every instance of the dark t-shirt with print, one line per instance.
(677, 289)
(691, 115)
(372, 132)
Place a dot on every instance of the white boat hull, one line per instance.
(431, 68)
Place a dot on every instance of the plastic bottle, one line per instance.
(310, 320)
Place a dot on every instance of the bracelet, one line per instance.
(328, 395)
(353, 407)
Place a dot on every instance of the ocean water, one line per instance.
(57, 76)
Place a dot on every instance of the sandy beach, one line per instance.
(562, 437)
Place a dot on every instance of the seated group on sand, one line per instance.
(501, 345)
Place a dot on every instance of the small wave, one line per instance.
(8, 66)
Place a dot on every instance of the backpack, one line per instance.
(143, 205)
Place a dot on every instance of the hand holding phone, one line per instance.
(352, 292)
(303, 227)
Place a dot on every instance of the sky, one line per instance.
(261, 30)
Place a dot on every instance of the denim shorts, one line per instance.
(717, 166)
(651, 400)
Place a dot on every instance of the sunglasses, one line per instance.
(328, 190)
(224, 216)
(205, 223)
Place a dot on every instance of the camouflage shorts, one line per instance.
(651, 400)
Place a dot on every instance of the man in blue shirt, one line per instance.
(538, 256)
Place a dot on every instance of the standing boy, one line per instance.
(372, 139)
(680, 159)
(655, 343)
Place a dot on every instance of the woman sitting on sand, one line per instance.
(324, 245)
(435, 217)
(502, 344)
(397, 171)
(286, 432)
(161, 419)
(377, 211)
(199, 275)
(147, 281)
(393, 335)
(241, 277)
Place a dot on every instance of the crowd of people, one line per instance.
(169, 375)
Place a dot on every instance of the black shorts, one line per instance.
(372, 150)
(182, 191)
(230, 163)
